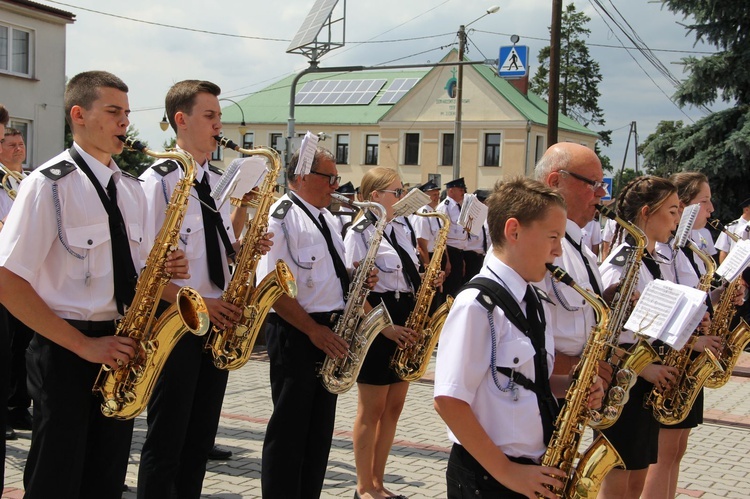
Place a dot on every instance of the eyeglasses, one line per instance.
(396, 192)
(332, 179)
(593, 184)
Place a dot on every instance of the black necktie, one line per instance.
(545, 399)
(211, 231)
(589, 271)
(410, 270)
(125, 276)
(338, 264)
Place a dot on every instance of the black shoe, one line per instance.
(219, 454)
(19, 418)
(9, 433)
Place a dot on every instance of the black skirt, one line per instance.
(376, 369)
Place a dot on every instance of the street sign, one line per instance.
(608, 181)
(513, 61)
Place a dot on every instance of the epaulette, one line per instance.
(130, 176)
(446, 203)
(58, 171)
(215, 169)
(362, 225)
(282, 209)
(165, 167)
(733, 222)
(543, 295)
(622, 256)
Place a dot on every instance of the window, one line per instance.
(15, 50)
(411, 149)
(342, 149)
(372, 142)
(491, 149)
(218, 154)
(446, 156)
(276, 142)
(247, 141)
(539, 151)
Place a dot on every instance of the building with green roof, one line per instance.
(404, 119)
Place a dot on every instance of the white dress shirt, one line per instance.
(5, 203)
(70, 265)
(572, 318)
(298, 241)
(457, 236)
(158, 190)
(464, 367)
(739, 228)
(427, 227)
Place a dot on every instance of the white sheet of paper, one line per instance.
(240, 177)
(410, 203)
(736, 261)
(473, 215)
(687, 318)
(689, 214)
(306, 153)
(654, 309)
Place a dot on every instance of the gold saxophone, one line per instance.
(626, 364)
(584, 479)
(356, 328)
(127, 389)
(673, 406)
(231, 348)
(733, 341)
(7, 178)
(410, 363)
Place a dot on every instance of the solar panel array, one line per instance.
(338, 92)
(398, 89)
(312, 24)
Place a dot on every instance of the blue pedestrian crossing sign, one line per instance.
(512, 62)
(608, 181)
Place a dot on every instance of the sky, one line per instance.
(150, 58)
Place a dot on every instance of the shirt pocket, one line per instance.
(316, 263)
(92, 242)
(389, 262)
(515, 354)
(192, 237)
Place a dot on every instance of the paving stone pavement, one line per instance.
(717, 463)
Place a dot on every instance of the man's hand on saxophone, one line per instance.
(177, 265)
(223, 314)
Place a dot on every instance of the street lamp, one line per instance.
(459, 91)
(242, 128)
(164, 124)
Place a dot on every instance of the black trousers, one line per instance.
(474, 262)
(20, 337)
(299, 433)
(183, 416)
(456, 279)
(76, 452)
(4, 384)
(467, 478)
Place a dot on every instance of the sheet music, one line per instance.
(736, 261)
(654, 309)
(473, 214)
(306, 153)
(687, 318)
(687, 221)
(240, 177)
(410, 203)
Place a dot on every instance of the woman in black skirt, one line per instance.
(661, 482)
(652, 204)
(381, 392)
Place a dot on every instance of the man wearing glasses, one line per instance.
(298, 332)
(576, 173)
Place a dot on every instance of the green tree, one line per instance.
(718, 144)
(658, 152)
(580, 76)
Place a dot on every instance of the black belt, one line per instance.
(465, 456)
(322, 318)
(393, 294)
(93, 326)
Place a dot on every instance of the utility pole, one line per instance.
(553, 99)
(459, 98)
(632, 132)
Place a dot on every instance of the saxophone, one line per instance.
(231, 348)
(672, 406)
(583, 480)
(357, 329)
(626, 364)
(8, 178)
(127, 389)
(410, 363)
(733, 341)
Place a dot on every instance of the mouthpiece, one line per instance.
(342, 199)
(560, 275)
(132, 143)
(607, 212)
(225, 142)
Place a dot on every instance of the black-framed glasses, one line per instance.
(396, 192)
(593, 184)
(332, 179)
